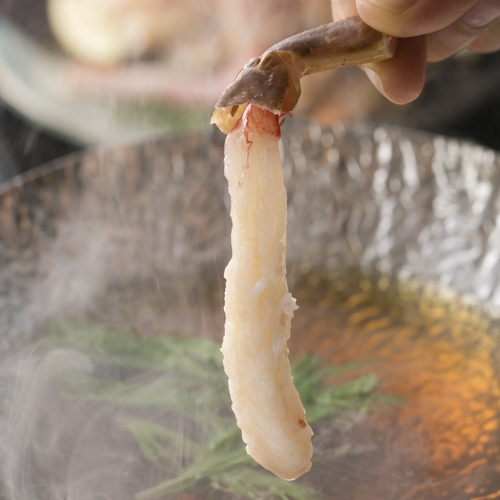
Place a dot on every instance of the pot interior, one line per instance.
(392, 256)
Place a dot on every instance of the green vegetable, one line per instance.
(184, 377)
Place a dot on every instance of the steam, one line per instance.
(35, 422)
(125, 265)
(55, 445)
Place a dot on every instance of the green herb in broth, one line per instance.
(184, 378)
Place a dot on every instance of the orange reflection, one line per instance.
(433, 351)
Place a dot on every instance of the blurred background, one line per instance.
(76, 73)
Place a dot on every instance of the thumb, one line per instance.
(407, 18)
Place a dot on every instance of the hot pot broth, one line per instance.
(434, 352)
(373, 255)
(414, 413)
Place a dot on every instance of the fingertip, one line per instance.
(401, 79)
(342, 9)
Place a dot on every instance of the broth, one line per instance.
(433, 434)
(439, 355)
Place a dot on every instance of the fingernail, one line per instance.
(394, 5)
(482, 14)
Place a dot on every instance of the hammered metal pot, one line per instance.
(393, 254)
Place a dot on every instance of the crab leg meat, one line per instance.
(258, 305)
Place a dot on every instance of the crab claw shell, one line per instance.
(272, 81)
(349, 42)
(264, 81)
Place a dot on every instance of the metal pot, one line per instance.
(392, 253)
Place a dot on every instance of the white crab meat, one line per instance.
(258, 305)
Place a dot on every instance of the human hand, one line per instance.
(428, 30)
